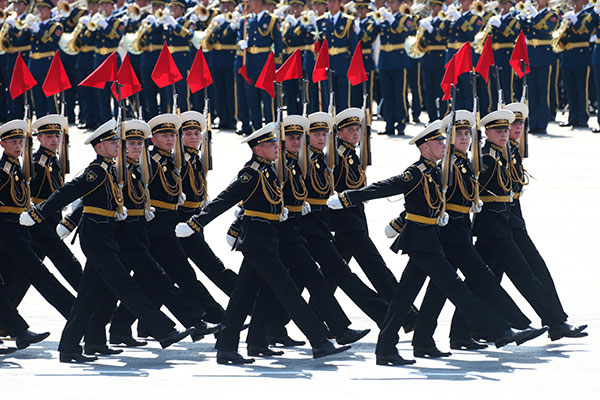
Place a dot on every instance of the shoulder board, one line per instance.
(102, 165)
(420, 166)
(341, 150)
(156, 157)
(6, 167)
(493, 152)
(43, 160)
(187, 156)
(255, 165)
(350, 17)
(322, 17)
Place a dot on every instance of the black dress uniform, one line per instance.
(503, 42)
(165, 247)
(196, 248)
(369, 30)
(421, 241)
(84, 65)
(457, 243)
(295, 256)
(316, 231)
(15, 240)
(257, 186)
(104, 270)
(495, 240)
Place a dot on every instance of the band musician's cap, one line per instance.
(295, 124)
(500, 119)
(14, 129)
(520, 109)
(440, 2)
(50, 124)
(193, 120)
(263, 135)
(43, 3)
(165, 123)
(137, 129)
(431, 132)
(320, 120)
(464, 120)
(180, 3)
(348, 117)
(106, 131)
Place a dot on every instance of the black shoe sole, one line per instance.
(533, 335)
(333, 351)
(394, 363)
(240, 361)
(354, 339)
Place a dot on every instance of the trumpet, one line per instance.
(64, 8)
(2, 16)
(21, 24)
(420, 9)
(491, 6)
(93, 24)
(202, 13)
(477, 8)
(594, 3)
(406, 10)
(134, 12)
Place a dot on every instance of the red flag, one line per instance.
(322, 63)
(244, 73)
(291, 68)
(106, 72)
(56, 80)
(464, 60)
(21, 80)
(520, 53)
(199, 76)
(356, 71)
(165, 71)
(127, 79)
(267, 76)
(449, 79)
(486, 60)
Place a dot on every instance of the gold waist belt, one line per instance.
(294, 208)
(260, 214)
(219, 46)
(455, 46)
(392, 47)
(576, 45)
(334, 51)
(163, 204)
(498, 46)
(138, 212)
(457, 208)
(308, 47)
(258, 50)
(539, 42)
(178, 49)
(12, 210)
(319, 202)
(105, 50)
(99, 211)
(37, 56)
(191, 204)
(495, 199)
(421, 219)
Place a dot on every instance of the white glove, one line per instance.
(596, 10)
(25, 219)
(243, 44)
(426, 23)
(532, 10)
(149, 214)
(495, 21)
(389, 17)
(102, 23)
(193, 18)
(313, 20)
(181, 199)
(390, 232)
(183, 230)
(443, 219)
(150, 19)
(171, 21)
(334, 202)
(219, 19)
(235, 24)
(284, 214)
(237, 211)
(476, 208)
(125, 20)
(305, 208)
(33, 26)
(121, 216)
(290, 20)
(454, 14)
(11, 20)
(230, 240)
(572, 17)
(62, 231)
(75, 204)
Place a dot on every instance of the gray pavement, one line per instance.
(561, 208)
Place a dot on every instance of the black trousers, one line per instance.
(305, 274)
(504, 256)
(105, 275)
(266, 269)
(336, 271)
(17, 252)
(159, 288)
(481, 281)
(359, 245)
(443, 275)
(10, 320)
(203, 257)
(171, 256)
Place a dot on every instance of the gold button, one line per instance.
(464, 170)
(351, 161)
(50, 169)
(317, 165)
(164, 168)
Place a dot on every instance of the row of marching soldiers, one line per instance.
(144, 210)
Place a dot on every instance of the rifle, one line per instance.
(303, 156)
(122, 158)
(448, 161)
(524, 142)
(280, 134)
(476, 141)
(146, 165)
(365, 140)
(331, 147)
(178, 144)
(28, 170)
(505, 151)
(63, 154)
(206, 155)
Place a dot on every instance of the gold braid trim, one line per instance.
(298, 195)
(133, 194)
(314, 182)
(352, 184)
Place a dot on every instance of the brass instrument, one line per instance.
(491, 6)
(64, 8)
(304, 20)
(21, 24)
(559, 5)
(421, 9)
(406, 10)
(2, 16)
(93, 24)
(477, 8)
(446, 15)
(480, 38)
(412, 44)
(557, 36)
(594, 3)
(521, 7)
(134, 12)
(72, 46)
(377, 16)
(3, 33)
(442, 15)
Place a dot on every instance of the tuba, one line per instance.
(412, 44)
(557, 36)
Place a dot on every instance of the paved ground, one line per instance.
(561, 209)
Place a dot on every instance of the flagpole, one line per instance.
(475, 143)
(121, 160)
(64, 145)
(28, 170)
(303, 155)
(178, 144)
(524, 141)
